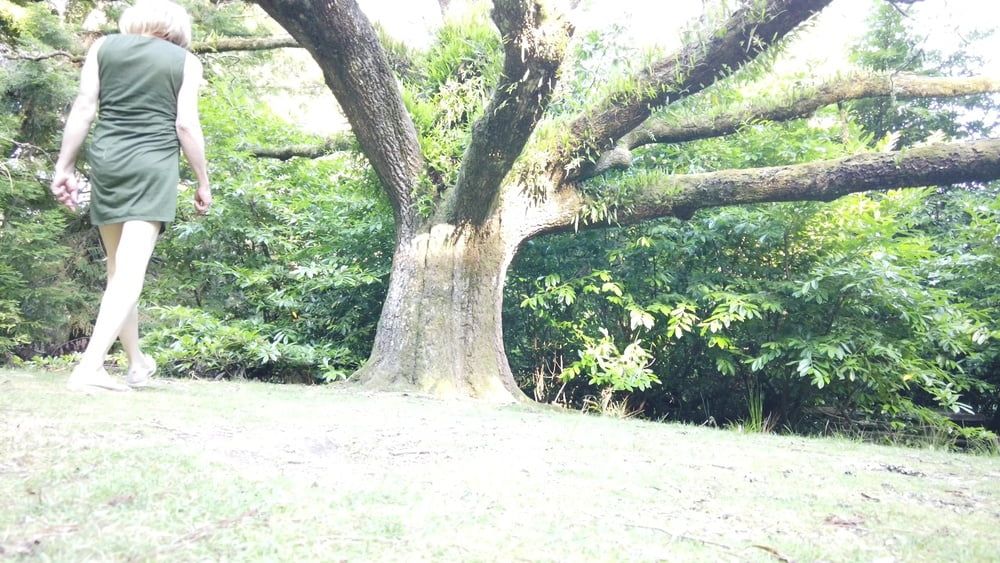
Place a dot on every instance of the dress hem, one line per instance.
(114, 221)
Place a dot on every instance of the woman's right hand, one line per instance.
(64, 187)
(203, 199)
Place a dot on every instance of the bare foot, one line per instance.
(140, 373)
(94, 381)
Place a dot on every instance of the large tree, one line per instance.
(524, 167)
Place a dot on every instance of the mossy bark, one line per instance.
(440, 331)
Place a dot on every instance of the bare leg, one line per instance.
(135, 246)
(129, 335)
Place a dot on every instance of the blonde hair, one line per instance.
(158, 18)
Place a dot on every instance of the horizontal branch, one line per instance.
(803, 103)
(751, 30)
(44, 56)
(285, 152)
(932, 165)
(806, 102)
(224, 44)
(534, 39)
(680, 195)
(217, 45)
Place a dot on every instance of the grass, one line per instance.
(249, 471)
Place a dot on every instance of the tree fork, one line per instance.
(534, 45)
(750, 31)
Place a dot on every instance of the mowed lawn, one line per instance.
(248, 471)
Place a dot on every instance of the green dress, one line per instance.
(134, 152)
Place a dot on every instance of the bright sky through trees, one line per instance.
(821, 50)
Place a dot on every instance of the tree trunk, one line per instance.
(440, 331)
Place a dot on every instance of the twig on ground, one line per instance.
(411, 452)
(777, 555)
(681, 536)
(209, 529)
(159, 425)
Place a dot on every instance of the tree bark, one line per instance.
(680, 195)
(534, 42)
(440, 331)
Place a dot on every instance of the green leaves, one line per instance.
(192, 342)
(842, 306)
(604, 365)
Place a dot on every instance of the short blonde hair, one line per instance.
(158, 18)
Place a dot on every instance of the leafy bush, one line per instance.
(195, 343)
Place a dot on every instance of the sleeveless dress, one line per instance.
(134, 152)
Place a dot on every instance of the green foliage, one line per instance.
(891, 46)
(448, 94)
(34, 94)
(593, 58)
(48, 278)
(196, 343)
(41, 303)
(869, 310)
(824, 307)
(800, 309)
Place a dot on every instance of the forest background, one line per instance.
(876, 313)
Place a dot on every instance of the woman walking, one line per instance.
(143, 86)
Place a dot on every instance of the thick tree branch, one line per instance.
(534, 40)
(218, 45)
(805, 102)
(751, 29)
(224, 44)
(346, 46)
(826, 180)
(286, 152)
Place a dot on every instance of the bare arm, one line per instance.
(189, 131)
(64, 184)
